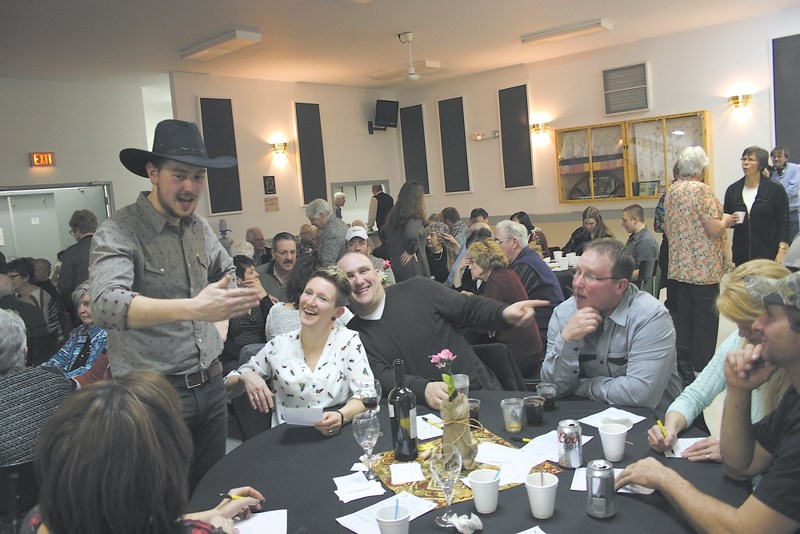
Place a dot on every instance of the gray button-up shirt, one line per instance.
(137, 252)
(630, 360)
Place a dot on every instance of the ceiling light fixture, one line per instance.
(568, 31)
(224, 44)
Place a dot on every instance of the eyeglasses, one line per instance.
(498, 241)
(748, 160)
(283, 253)
(13, 275)
(592, 278)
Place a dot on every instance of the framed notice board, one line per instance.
(224, 189)
(311, 153)
(515, 136)
(415, 156)
(452, 130)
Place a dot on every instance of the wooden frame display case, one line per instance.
(591, 163)
(626, 160)
(653, 146)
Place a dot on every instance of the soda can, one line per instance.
(601, 499)
(570, 451)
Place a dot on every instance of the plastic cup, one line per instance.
(548, 391)
(462, 384)
(474, 409)
(557, 254)
(388, 524)
(485, 486)
(563, 263)
(541, 493)
(741, 215)
(512, 414)
(613, 437)
(534, 409)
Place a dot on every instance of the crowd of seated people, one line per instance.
(300, 326)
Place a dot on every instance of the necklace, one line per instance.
(439, 257)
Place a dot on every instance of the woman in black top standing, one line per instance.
(764, 231)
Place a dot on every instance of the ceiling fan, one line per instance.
(411, 73)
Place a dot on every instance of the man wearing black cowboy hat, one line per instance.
(164, 288)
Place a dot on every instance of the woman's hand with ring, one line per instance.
(330, 424)
(703, 451)
(260, 396)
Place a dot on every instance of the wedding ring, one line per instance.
(708, 456)
(330, 431)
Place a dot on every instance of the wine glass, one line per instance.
(369, 391)
(446, 468)
(366, 429)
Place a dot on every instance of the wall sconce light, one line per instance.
(740, 101)
(279, 148)
(539, 127)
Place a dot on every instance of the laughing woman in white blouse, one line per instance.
(318, 365)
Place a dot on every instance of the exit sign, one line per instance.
(43, 159)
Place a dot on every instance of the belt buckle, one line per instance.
(200, 382)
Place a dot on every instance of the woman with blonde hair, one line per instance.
(736, 304)
(488, 263)
(592, 227)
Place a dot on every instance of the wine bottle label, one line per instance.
(391, 410)
(413, 422)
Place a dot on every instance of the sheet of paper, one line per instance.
(273, 522)
(579, 483)
(611, 415)
(363, 521)
(352, 482)
(545, 447)
(680, 445)
(374, 488)
(358, 466)
(532, 530)
(496, 454)
(406, 472)
(301, 416)
(429, 426)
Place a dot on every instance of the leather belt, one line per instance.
(193, 380)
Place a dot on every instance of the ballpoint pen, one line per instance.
(432, 422)
(231, 497)
(523, 440)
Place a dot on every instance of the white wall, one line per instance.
(263, 112)
(85, 125)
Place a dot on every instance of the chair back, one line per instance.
(647, 274)
(19, 492)
(497, 358)
(250, 422)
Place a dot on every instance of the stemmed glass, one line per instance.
(369, 391)
(366, 429)
(446, 468)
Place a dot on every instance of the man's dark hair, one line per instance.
(780, 149)
(450, 214)
(624, 262)
(282, 236)
(478, 212)
(635, 210)
(83, 221)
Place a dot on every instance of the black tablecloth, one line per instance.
(293, 467)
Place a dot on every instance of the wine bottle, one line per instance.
(403, 416)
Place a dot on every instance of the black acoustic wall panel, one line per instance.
(786, 80)
(415, 157)
(454, 145)
(312, 156)
(224, 189)
(515, 136)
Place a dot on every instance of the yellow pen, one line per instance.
(660, 424)
(231, 497)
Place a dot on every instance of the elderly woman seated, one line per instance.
(28, 395)
(488, 263)
(115, 458)
(318, 365)
(85, 344)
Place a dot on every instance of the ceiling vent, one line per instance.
(625, 89)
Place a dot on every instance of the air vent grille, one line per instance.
(625, 89)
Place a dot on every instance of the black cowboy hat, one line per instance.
(175, 140)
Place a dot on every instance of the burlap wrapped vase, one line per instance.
(455, 414)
